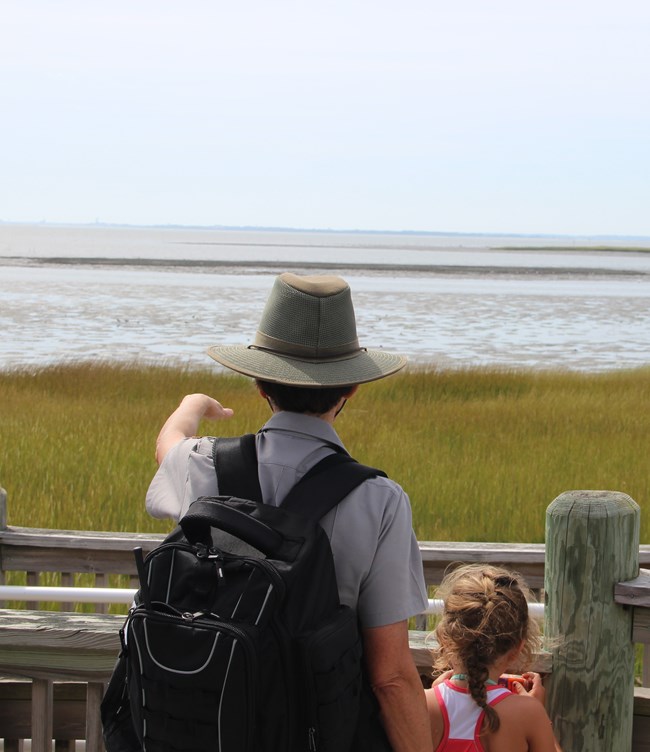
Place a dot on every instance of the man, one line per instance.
(307, 363)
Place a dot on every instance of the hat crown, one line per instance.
(310, 317)
(307, 337)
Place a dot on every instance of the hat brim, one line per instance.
(363, 366)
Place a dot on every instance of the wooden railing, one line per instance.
(63, 659)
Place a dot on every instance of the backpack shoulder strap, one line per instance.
(235, 462)
(326, 484)
(315, 494)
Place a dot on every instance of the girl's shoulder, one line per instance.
(524, 725)
(520, 708)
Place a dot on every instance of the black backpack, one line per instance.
(238, 641)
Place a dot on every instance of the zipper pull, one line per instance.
(189, 616)
(312, 739)
(216, 556)
(122, 642)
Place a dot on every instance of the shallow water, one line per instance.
(418, 295)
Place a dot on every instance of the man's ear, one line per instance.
(266, 397)
(352, 392)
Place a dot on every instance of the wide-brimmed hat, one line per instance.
(308, 337)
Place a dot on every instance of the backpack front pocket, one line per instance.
(191, 683)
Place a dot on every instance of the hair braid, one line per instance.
(485, 617)
(477, 676)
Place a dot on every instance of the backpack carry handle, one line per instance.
(216, 511)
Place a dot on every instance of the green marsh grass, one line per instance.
(481, 452)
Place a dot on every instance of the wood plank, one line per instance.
(23, 558)
(23, 548)
(641, 735)
(89, 539)
(641, 628)
(69, 715)
(94, 739)
(15, 709)
(641, 724)
(59, 645)
(96, 540)
(85, 646)
(101, 581)
(642, 701)
(14, 745)
(67, 580)
(42, 721)
(525, 558)
(33, 579)
(634, 592)
(641, 728)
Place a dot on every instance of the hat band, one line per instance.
(304, 352)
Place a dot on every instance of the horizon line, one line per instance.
(281, 228)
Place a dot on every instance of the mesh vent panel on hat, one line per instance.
(335, 328)
(309, 320)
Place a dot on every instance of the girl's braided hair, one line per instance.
(485, 617)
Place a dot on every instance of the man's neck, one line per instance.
(328, 417)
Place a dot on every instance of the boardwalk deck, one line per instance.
(56, 662)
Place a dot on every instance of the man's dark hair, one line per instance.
(299, 399)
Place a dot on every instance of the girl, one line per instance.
(484, 631)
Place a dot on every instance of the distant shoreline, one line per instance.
(573, 248)
(230, 266)
(328, 231)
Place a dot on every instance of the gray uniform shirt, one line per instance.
(376, 555)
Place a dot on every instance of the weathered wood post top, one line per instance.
(592, 543)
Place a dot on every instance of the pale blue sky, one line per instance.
(467, 116)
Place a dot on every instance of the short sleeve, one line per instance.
(394, 588)
(186, 473)
(376, 555)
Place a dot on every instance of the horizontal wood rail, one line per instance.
(26, 549)
(67, 646)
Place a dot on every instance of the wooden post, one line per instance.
(42, 710)
(94, 740)
(592, 543)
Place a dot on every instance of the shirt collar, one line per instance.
(304, 424)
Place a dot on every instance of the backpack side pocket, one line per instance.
(331, 661)
(117, 723)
